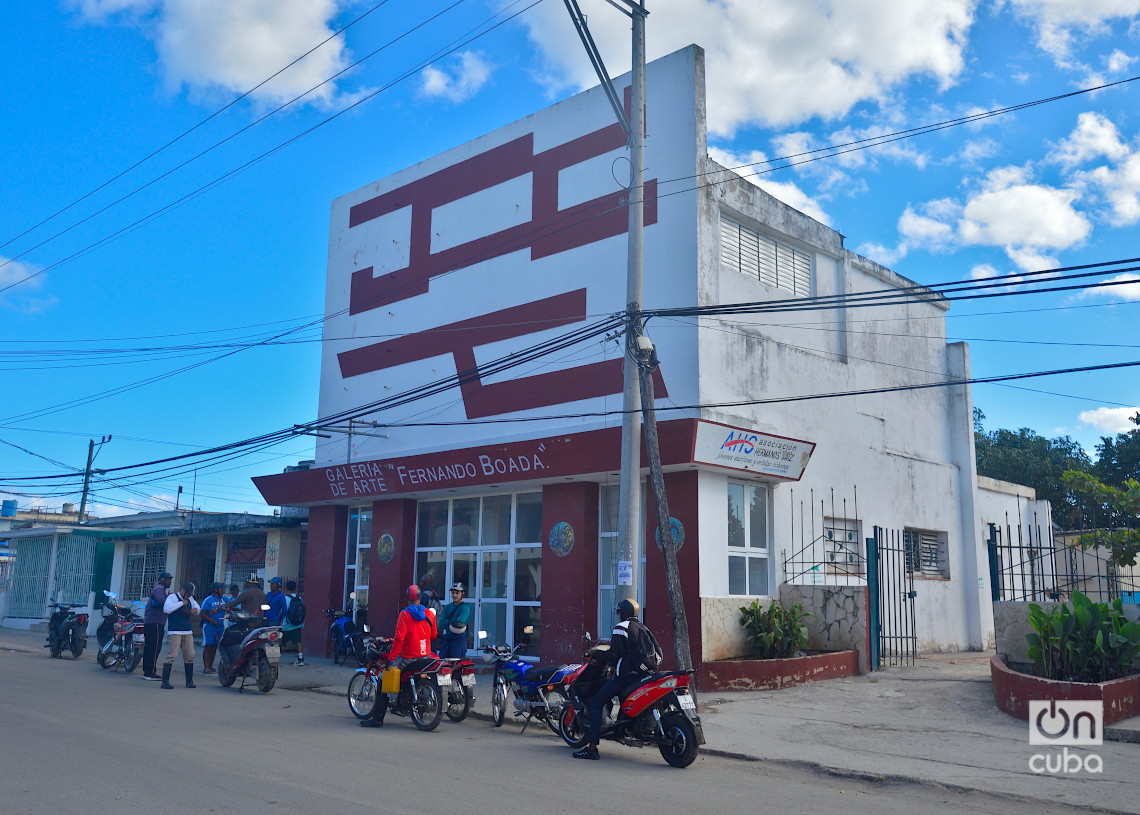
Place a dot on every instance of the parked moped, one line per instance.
(120, 636)
(249, 650)
(67, 630)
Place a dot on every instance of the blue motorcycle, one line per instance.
(348, 638)
(537, 692)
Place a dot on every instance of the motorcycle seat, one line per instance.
(418, 665)
(542, 673)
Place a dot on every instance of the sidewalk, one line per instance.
(934, 723)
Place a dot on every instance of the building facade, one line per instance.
(790, 434)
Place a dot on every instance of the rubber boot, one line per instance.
(190, 675)
(166, 677)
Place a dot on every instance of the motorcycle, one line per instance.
(348, 638)
(658, 710)
(460, 695)
(120, 636)
(422, 685)
(537, 691)
(66, 629)
(249, 650)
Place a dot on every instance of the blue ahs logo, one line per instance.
(740, 442)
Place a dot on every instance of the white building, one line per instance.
(518, 237)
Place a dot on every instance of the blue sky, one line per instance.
(101, 337)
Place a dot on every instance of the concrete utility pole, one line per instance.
(87, 472)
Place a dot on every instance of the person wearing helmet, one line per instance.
(277, 603)
(415, 629)
(251, 598)
(628, 643)
(453, 622)
(179, 608)
(154, 625)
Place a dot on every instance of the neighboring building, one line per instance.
(518, 237)
(74, 564)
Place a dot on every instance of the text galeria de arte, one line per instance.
(375, 478)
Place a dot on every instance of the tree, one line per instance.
(1118, 460)
(1121, 511)
(1024, 457)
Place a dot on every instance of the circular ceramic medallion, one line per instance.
(385, 548)
(562, 539)
(678, 534)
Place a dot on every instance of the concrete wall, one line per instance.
(838, 620)
(721, 631)
(1011, 624)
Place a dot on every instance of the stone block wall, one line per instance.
(722, 635)
(839, 617)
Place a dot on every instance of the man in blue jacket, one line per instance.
(277, 603)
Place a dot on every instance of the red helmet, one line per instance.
(413, 593)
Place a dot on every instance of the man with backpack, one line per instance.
(635, 654)
(294, 621)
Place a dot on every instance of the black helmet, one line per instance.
(627, 609)
(189, 588)
(166, 576)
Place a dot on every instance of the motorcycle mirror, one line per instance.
(529, 629)
(482, 635)
(110, 594)
(264, 607)
(366, 629)
(587, 636)
(352, 595)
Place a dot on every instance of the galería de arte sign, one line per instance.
(485, 465)
(365, 478)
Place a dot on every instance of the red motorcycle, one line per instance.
(461, 694)
(657, 710)
(423, 684)
(250, 650)
(120, 636)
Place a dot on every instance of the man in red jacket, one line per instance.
(415, 629)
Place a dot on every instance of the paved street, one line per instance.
(77, 738)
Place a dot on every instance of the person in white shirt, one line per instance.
(179, 607)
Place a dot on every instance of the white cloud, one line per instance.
(977, 150)
(772, 62)
(1095, 136)
(923, 230)
(232, 45)
(26, 295)
(1129, 288)
(1118, 62)
(1110, 420)
(785, 191)
(1121, 188)
(983, 270)
(883, 254)
(469, 73)
(1060, 22)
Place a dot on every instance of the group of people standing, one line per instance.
(170, 613)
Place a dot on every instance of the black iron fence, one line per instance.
(827, 546)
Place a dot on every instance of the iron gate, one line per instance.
(890, 583)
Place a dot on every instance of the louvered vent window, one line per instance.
(926, 554)
(773, 263)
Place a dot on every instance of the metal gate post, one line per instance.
(874, 629)
(995, 571)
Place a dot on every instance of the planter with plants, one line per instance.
(1081, 650)
(777, 638)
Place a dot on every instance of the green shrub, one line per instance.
(774, 632)
(1083, 641)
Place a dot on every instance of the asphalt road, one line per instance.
(75, 738)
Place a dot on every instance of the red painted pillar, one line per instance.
(569, 574)
(681, 490)
(324, 574)
(393, 562)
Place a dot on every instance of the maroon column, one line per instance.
(324, 574)
(387, 580)
(681, 490)
(570, 580)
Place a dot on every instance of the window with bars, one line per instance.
(143, 564)
(926, 554)
(843, 546)
(773, 263)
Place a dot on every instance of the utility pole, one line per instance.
(87, 472)
(647, 363)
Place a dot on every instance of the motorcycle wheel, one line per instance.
(224, 675)
(361, 654)
(56, 649)
(459, 703)
(680, 746)
(133, 658)
(363, 696)
(499, 701)
(427, 705)
(104, 657)
(572, 728)
(266, 674)
(555, 701)
(77, 644)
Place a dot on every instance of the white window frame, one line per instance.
(843, 547)
(354, 543)
(774, 263)
(607, 591)
(750, 552)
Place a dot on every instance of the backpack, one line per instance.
(646, 651)
(295, 614)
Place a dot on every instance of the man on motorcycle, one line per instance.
(415, 629)
(628, 643)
